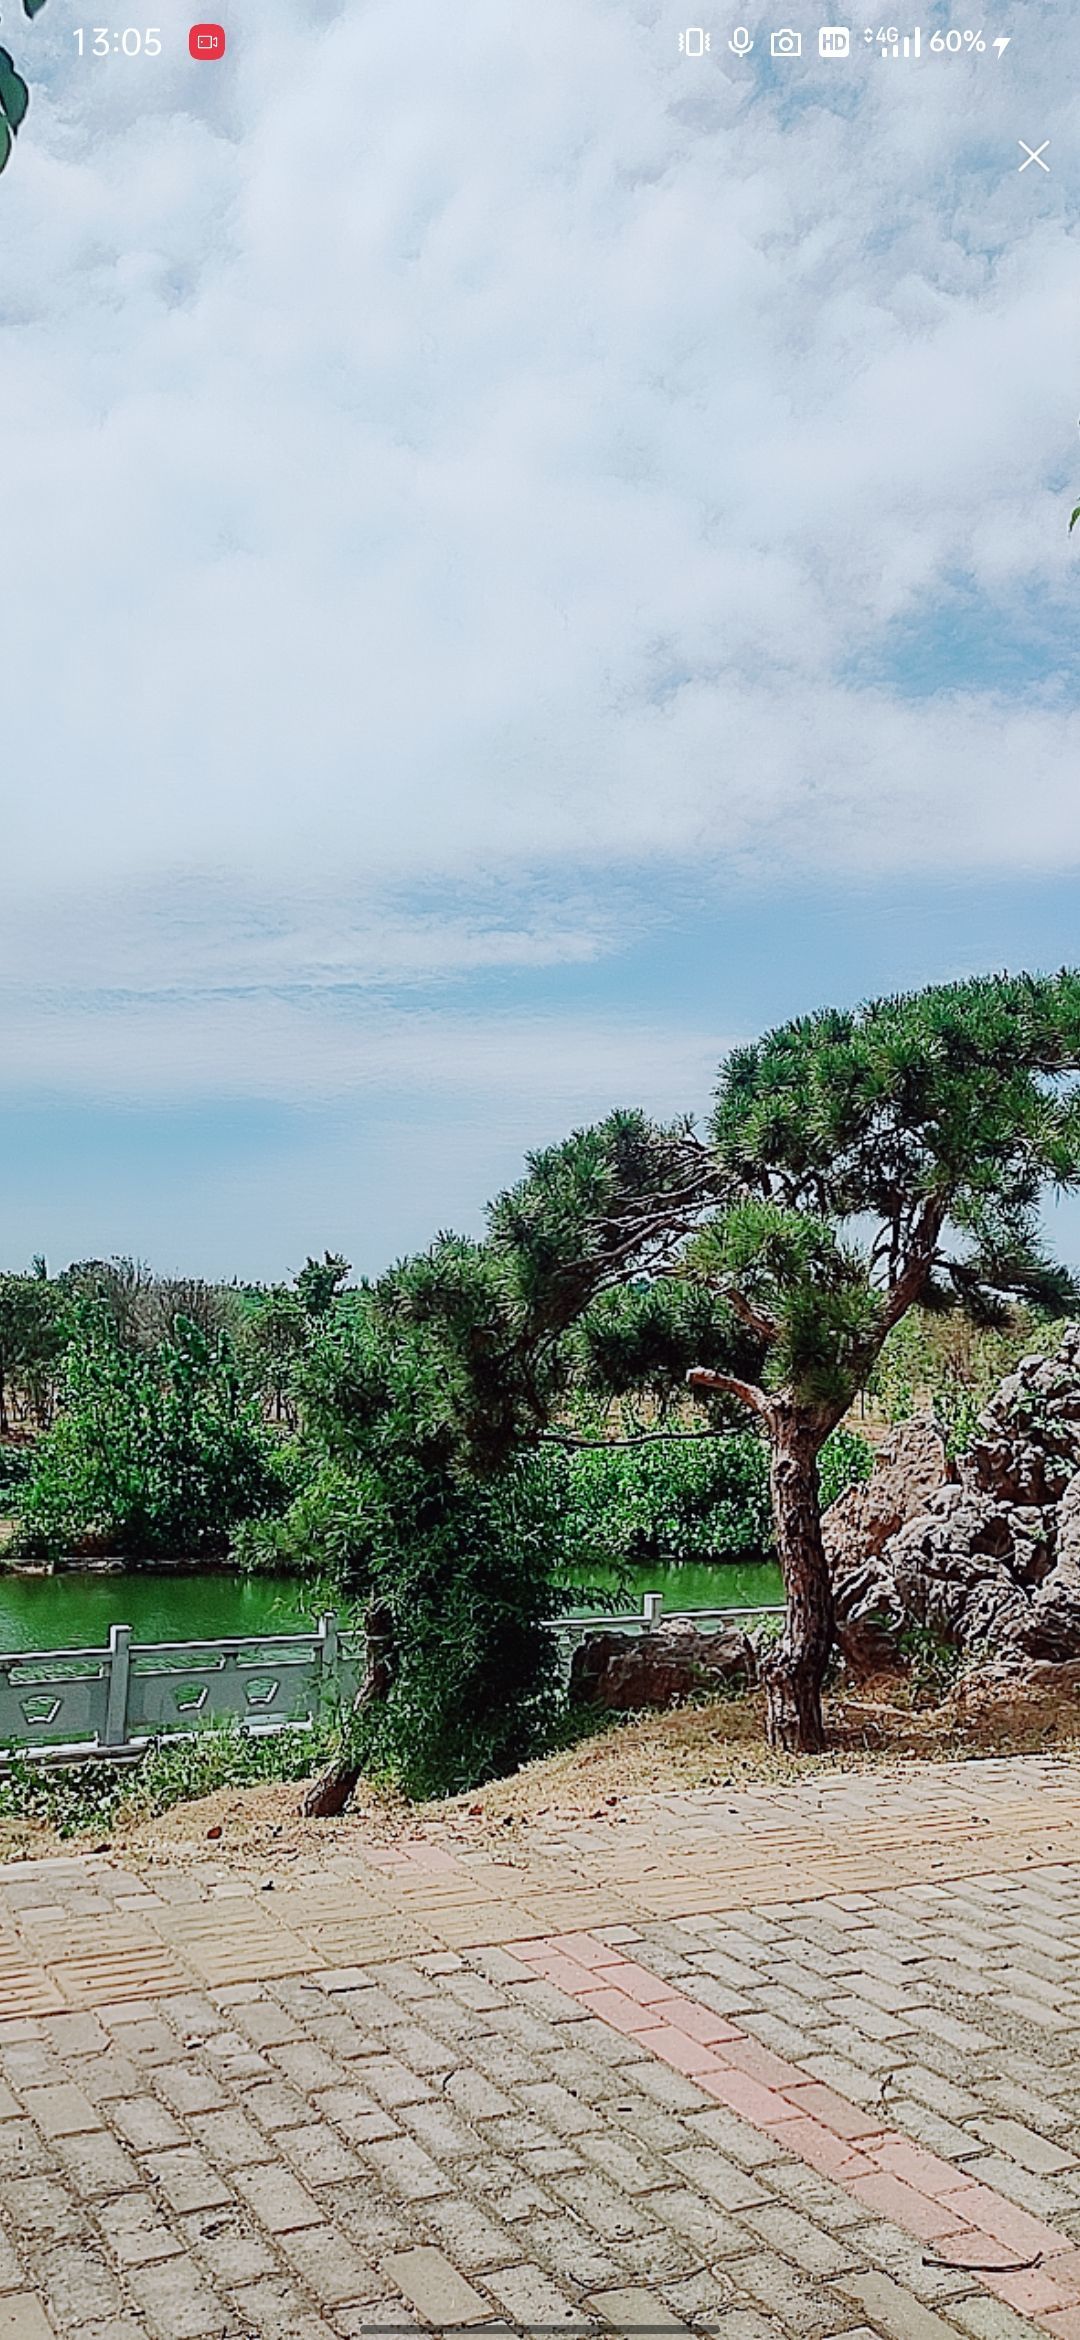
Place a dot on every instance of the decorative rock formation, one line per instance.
(658, 1669)
(989, 1557)
(909, 1467)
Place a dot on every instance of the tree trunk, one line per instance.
(328, 1795)
(795, 1673)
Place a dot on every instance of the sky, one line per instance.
(527, 558)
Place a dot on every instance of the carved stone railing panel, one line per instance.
(116, 1701)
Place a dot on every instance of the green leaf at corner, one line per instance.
(1074, 519)
(14, 95)
(5, 143)
(32, 8)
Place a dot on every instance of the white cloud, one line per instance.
(457, 444)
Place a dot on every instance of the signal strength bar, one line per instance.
(909, 46)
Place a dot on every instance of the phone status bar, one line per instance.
(833, 43)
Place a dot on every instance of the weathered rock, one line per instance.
(909, 1468)
(658, 1669)
(991, 1561)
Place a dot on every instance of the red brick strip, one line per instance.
(939, 2204)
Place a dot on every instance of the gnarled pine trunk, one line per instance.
(328, 1795)
(794, 1674)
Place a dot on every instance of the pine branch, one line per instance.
(747, 1392)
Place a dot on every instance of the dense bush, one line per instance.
(15, 1467)
(682, 1500)
(469, 1586)
(151, 1453)
(454, 1543)
(844, 1461)
(322, 1533)
(604, 1507)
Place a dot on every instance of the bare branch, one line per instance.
(747, 1392)
(642, 1438)
(764, 1326)
(911, 1276)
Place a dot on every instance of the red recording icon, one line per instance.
(206, 40)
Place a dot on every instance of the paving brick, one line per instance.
(407, 2169)
(358, 2119)
(23, 2318)
(716, 2234)
(639, 2312)
(1035, 2153)
(604, 2208)
(472, 2239)
(440, 2130)
(318, 2155)
(75, 2035)
(277, 2199)
(531, 2299)
(435, 2288)
(990, 2319)
(573, 2258)
(273, 2104)
(735, 2138)
(177, 2302)
(798, 2239)
(802, 2308)
(135, 2232)
(620, 2164)
(61, 2111)
(97, 2165)
(266, 2024)
(42, 2206)
(76, 2283)
(228, 2244)
(187, 2089)
(146, 2125)
(894, 2310)
(230, 2139)
(334, 2269)
(186, 2180)
(392, 2084)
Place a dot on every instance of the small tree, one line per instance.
(33, 1331)
(855, 1163)
(153, 1454)
(414, 1399)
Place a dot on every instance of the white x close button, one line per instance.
(1033, 154)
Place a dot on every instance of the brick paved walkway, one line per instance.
(795, 2065)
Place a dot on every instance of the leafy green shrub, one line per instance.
(322, 1533)
(151, 1453)
(15, 1466)
(683, 1500)
(469, 1578)
(934, 1664)
(224, 1756)
(686, 1499)
(845, 1461)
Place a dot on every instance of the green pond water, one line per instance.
(74, 1610)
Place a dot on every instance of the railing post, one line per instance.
(119, 1670)
(328, 1658)
(652, 1606)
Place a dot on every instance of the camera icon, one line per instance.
(786, 43)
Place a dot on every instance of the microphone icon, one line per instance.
(741, 41)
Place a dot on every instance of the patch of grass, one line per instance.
(934, 1665)
(91, 1798)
